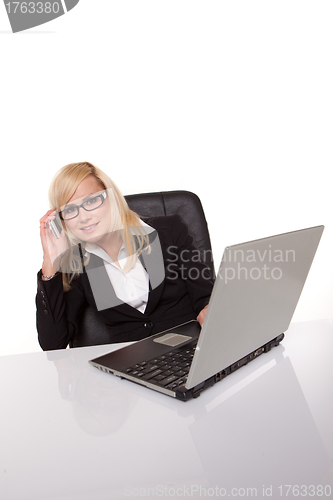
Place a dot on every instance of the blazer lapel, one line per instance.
(154, 264)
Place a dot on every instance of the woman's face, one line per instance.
(90, 226)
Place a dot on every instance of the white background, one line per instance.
(230, 99)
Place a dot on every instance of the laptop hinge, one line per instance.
(185, 394)
(197, 390)
(274, 343)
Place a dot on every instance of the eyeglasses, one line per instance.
(72, 211)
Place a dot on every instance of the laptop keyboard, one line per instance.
(169, 370)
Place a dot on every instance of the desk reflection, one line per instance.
(252, 430)
(99, 408)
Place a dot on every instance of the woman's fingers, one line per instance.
(45, 216)
(53, 247)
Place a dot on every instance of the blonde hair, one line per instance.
(63, 187)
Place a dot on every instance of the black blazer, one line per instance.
(180, 296)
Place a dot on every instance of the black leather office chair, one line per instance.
(184, 203)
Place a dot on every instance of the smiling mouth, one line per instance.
(88, 229)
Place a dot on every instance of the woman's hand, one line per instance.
(201, 315)
(53, 247)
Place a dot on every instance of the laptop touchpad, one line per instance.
(172, 339)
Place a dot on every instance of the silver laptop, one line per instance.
(255, 294)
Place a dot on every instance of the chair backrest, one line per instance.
(92, 330)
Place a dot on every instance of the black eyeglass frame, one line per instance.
(102, 196)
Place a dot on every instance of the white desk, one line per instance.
(69, 431)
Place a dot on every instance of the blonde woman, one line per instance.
(103, 255)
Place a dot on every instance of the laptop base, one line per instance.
(185, 394)
(180, 391)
